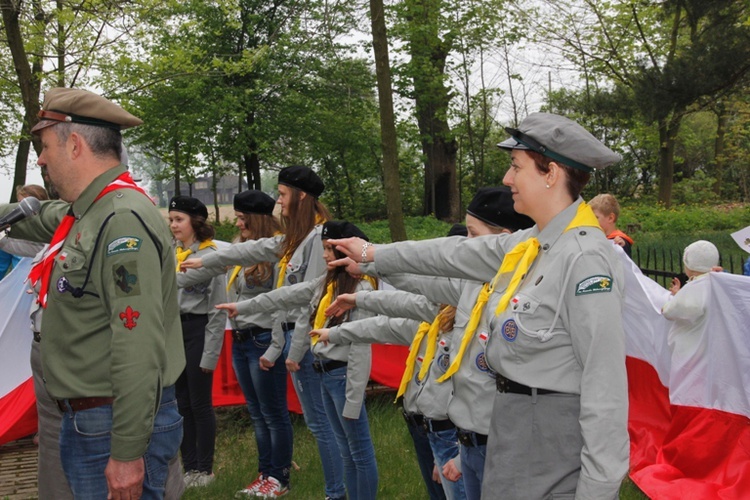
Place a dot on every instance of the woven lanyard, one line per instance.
(42, 270)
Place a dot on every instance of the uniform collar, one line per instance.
(552, 232)
(88, 196)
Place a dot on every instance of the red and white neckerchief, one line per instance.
(43, 269)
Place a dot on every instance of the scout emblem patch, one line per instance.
(62, 284)
(443, 362)
(594, 284)
(481, 362)
(509, 330)
(123, 244)
(126, 281)
(128, 317)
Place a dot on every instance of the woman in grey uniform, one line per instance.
(342, 371)
(559, 422)
(203, 336)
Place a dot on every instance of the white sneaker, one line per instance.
(189, 477)
(272, 488)
(251, 489)
(202, 479)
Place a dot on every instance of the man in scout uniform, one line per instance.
(112, 341)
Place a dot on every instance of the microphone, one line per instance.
(26, 208)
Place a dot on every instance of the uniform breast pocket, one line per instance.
(69, 278)
(533, 318)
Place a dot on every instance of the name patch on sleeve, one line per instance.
(594, 284)
(123, 244)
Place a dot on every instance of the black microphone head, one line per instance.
(30, 206)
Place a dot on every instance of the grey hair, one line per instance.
(103, 141)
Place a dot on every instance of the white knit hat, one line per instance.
(701, 256)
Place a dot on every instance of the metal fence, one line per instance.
(664, 264)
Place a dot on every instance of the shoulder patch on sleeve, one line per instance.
(126, 279)
(124, 244)
(594, 284)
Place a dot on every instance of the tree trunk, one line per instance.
(387, 123)
(251, 159)
(428, 56)
(29, 81)
(668, 129)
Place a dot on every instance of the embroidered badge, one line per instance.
(443, 362)
(126, 281)
(481, 363)
(509, 330)
(62, 285)
(129, 316)
(482, 337)
(594, 284)
(123, 244)
(63, 256)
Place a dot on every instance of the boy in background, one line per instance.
(607, 211)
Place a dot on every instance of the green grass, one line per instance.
(236, 463)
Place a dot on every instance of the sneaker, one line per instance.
(251, 489)
(272, 488)
(189, 477)
(202, 479)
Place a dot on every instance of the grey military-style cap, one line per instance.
(561, 139)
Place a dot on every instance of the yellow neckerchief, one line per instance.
(182, 254)
(286, 258)
(520, 258)
(431, 331)
(233, 277)
(320, 314)
(372, 281)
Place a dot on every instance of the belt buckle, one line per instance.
(317, 366)
(465, 439)
(501, 383)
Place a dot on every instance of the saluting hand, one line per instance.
(124, 479)
(321, 333)
(230, 307)
(343, 303)
(194, 263)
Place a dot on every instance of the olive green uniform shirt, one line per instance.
(121, 337)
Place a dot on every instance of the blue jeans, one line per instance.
(425, 459)
(85, 438)
(444, 446)
(307, 384)
(265, 393)
(352, 436)
(472, 469)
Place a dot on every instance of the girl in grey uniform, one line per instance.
(559, 422)
(342, 371)
(300, 256)
(203, 335)
(413, 323)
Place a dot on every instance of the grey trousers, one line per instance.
(533, 448)
(51, 478)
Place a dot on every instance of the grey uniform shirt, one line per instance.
(201, 298)
(566, 336)
(306, 264)
(307, 295)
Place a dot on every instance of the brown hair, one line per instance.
(304, 213)
(345, 283)
(203, 230)
(448, 318)
(576, 179)
(606, 204)
(260, 226)
(34, 190)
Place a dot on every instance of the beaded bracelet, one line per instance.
(364, 251)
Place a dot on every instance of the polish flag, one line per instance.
(689, 428)
(17, 402)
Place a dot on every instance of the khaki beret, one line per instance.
(561, 139)
(82, 106)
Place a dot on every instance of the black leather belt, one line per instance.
(326, 366)
(287, 326)
(37, 337)
(80, 404)
(508, 386)
(191, 316)
(471, 439)
(243, 334)
(431, 425)
(413, 419)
